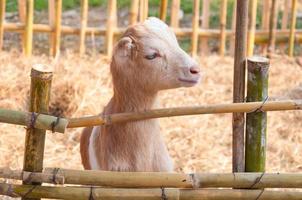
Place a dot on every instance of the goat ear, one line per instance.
(125, 47)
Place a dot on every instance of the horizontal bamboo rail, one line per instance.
(158, 179)
(180, 32)
(28, 119)
(169, 112)
(46, 122)
(51, 192)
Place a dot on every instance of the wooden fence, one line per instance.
(199, 33)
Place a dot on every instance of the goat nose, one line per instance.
(194, 70)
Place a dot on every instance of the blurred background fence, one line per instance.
(203, 27)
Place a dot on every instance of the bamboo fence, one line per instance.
(139, 11)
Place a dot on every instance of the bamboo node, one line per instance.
(163, 194)
(195, 183)
(259, 109)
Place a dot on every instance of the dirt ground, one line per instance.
(82, 86)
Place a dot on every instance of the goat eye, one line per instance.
(152, 56)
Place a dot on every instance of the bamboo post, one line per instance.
(146, 9)
(175, 13)
(2, 21)
(223, 15)
(29, 27)
(22, 16)
(111, 25)
(163, 10)
(284, 23)
(265, 19)
(272, 28)
(252, 27)
(51, 17)
(84, 13)
(195, 24)
(292, 28)
(143, 10)
(57, 31)
(232, 42)
(41, 78)
(239, 84)
(205, 25)
(134, 12)
(256, 122)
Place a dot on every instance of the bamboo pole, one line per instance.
(163, 10)
(84, 13)
(284, 23)
(157, 179)
(51, 17)
(223, 15)
(24, 119)
(134, 12)
(57, 30)
(111, 25)
(280, 39)
(265, 20)
(2, 21)
(29, 27)
(195, 27)
(232, 42)
(175, 13)
(180, 111)
(272, 28)
(41, 78)
(84, 193)
(22, 17)
(256, 122)
(252, 27)
(292, 28)
(205, 26)
(146, 9)
(239, 84)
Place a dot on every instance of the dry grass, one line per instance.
(198, 143)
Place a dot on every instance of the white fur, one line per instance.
(92, 154)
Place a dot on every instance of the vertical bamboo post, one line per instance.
(175, 13)
(111, 25)
(51, 17)
(292, 28)
(272, 28)
(57, 31)
(163, 10)
(265, 19)
(239, 84)
(205, 25)
(133, 12)
(256, 122)
(141, 10)
(29, 27)
(232, 42)
(2, 21)
(41, 77)
(22, 16)
(223, 14)
(252, 27)
(146, 9)
(195, 24)
(84, 13)
(284, 22)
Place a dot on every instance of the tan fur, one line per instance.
(138, 146)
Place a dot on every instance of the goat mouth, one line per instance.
(188, 80)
